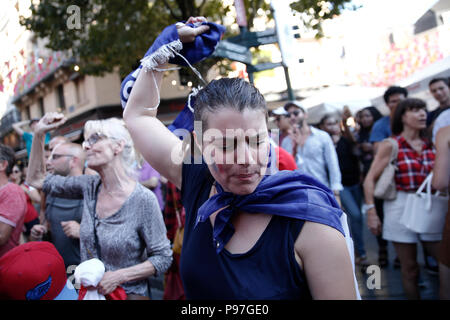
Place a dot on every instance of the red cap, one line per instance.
(32, 271)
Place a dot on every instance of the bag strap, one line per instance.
(426, 183)
(394, 151)
(97, 245)
(95, 219)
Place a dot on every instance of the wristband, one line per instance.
(367, 207)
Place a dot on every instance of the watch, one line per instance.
(367, 207)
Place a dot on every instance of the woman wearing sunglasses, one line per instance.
(32, 195)
(122, 224)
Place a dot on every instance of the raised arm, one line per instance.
(160, 147)
(33, 193)
(347, 132)
(18, 127)
(36, 167)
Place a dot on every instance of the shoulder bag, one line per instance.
(385, 186)
(425, 212)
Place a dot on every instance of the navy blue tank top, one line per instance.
(267, 271)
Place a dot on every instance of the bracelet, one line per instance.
(367, 207)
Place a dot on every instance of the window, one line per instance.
(61, 101)
(41, 106)
(27, 110)
(77, 90)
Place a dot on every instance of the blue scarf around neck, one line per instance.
(286, 193)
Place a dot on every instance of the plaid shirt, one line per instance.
(173, 198)
(412, 167)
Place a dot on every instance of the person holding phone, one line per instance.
(312, 149)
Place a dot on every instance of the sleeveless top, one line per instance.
(267, 271)
(412, 167)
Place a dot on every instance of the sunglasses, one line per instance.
(294, 113)
(93, 139)
(57, 156)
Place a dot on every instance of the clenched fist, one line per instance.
(188, 34)
(50, 121)
(37, 232)
(71, 229)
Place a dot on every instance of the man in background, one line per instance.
(382, 128)
(313, 149)
(440, 89)
(63, 216)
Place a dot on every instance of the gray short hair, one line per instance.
(116, 129)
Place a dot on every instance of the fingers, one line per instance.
(187, 33)
(201, 29)
(108, 283)
(50, 121)
(52, 117)
(196, 19)
(375, 229)
(71, 228)
(37, 232)
(66, 228)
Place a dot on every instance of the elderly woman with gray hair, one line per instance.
(122, 224)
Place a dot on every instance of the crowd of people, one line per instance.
(228, 230)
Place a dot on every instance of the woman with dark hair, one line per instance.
(247, 235)
(415, 160)
(32, 195)
(368, 116)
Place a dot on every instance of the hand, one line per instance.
(346, 113)
(366, 146)
(37, 232)
(110, 281)
(71, 229)
(295, 134)
(188, 34)
(50, 121)
(373, 222)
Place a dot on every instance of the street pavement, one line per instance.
(390, 282)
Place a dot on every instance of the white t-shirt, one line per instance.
(441, 121)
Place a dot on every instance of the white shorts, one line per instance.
(394, 231)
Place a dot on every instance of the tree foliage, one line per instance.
(116, 33)
(314, 12)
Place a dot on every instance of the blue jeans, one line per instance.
(351, 199)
